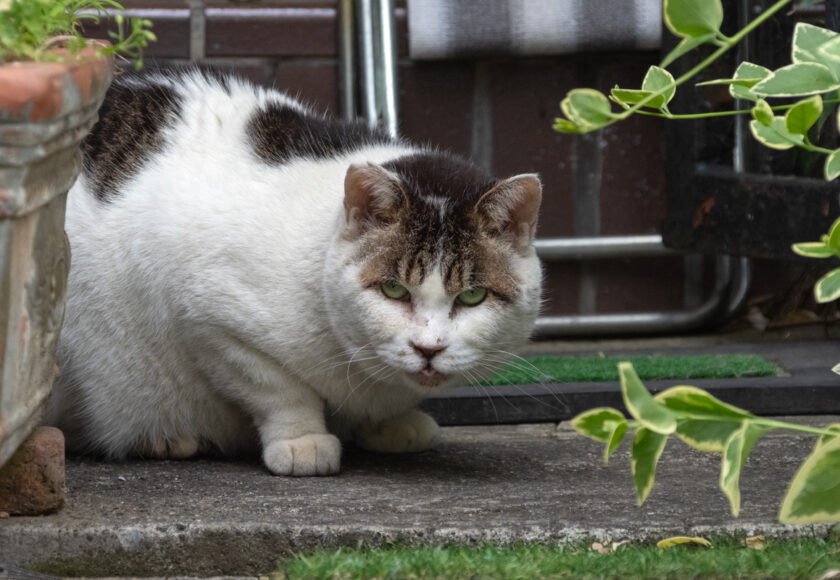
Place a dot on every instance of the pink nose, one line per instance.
(426, 351)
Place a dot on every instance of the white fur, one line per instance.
(214, 300)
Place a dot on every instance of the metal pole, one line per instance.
(367, 60)
(347, 59)
(601, 247)
(386, 66)
(645, 322)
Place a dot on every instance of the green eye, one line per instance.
(472, 296)
(394, 291)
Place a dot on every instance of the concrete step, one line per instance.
(498, 483)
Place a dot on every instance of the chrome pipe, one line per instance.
(347, 59)
(645, 322)
(367, 60)
(601, 247)
(386, 66)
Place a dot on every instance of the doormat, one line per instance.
(590, 369)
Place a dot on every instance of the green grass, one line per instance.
(728, 558)
(572, 369)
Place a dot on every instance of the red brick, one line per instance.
(32, 481)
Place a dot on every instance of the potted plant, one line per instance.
(52, 81)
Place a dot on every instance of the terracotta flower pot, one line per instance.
(46, 108)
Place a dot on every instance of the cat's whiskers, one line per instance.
(349, 351)
(562, 406)
(350, 363)
(467, 374)
(523, 364)
(378, 369)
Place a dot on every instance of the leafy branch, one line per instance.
(712, 426)
(28, 29)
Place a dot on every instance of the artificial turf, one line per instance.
(579, 369)
(728, 558)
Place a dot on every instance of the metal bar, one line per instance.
(347, 56)
(198, 25)
(646, 322)
(601, 247)
(386, 66)
(367, 60)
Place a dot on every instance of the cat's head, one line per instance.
(437, 277)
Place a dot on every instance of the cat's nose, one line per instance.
(427, 351)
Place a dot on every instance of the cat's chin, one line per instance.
(429, 378)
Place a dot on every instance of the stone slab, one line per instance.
(502, 483)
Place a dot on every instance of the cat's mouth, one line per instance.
(429, 377)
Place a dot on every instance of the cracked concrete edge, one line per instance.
(224, 550)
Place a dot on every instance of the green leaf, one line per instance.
(776, 136)
(832, 164)
(735, 454)
(633, 96)
(801, 116)
(834, 236)
(748, 71)
(615, 439)
(814, 493)
(825, 438)
(716, 420)
(692, 17)
(657, 79)
(565, 126)
(647, 448)
(641, 405)
(598, 424)
(807, 39)
(797, 80)
(762, 113)
(686, 45)
(813, 250)
(587, 108)
(827, 288)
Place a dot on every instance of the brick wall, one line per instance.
(500, 112)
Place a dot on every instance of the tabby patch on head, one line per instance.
(432, 212)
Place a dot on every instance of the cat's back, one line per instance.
(200, 122)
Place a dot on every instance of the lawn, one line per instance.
(727, 558)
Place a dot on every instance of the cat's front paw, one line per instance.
(410, 432)
(317, 454)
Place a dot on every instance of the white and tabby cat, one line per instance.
(249, 274)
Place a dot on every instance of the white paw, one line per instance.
(410, 432)
(308, 455)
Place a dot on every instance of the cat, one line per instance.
(248, 274)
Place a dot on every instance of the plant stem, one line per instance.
(719, 113)
(792, 426)
(757, 420)
(728, 43)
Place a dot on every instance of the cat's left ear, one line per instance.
(372, 197)
(511, 208)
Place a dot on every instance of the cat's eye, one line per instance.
(472, 296)
(394, 291)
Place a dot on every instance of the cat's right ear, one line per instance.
(373, 197)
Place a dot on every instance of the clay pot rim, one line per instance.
(33, 91)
